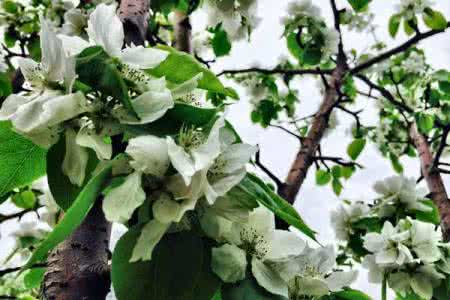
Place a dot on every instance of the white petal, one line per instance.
(73, 45)
(215, 226)
(326, 258)
(150, 236)
(374, 242)
(181, 161)
(44, 138)
(229, 263)
(75, 159)
(143, 58)
(105, 29)
(149, 154)
(206, 153)
(268, 278)
(236, 156)
(311, 286)
(388, 256)
(11, 104)
(226, 183)
(150, 106)
(337, 280)
(120, 203)
(186, 87)
(88, 138)
(283, 244)
(165, 209)
(422, 286)
(32, 71)
(52, 53)
(59, 109)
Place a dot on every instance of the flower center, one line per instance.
(254, 243)
(190, 138)
(134, 75)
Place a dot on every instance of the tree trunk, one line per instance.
(310, 144)
(433, 179)
(78, 267)
(182, 32)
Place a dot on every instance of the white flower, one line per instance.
(260, 241)
(331, 42)
(399, 189)
(389, 246)
(415, 63)
(425, 239)
(149, 155)
(74, 22)
(410, 8)
(311, 273)
(344, 216)
(88, 137)
(303, 7)
(421, 281)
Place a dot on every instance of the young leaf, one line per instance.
(255, 187)
(359, 5)
(220, 42)
(425, 122)
(394, 24)
(179, 67)
(33, 278)
(21, 161)
(337, 186)
(434, 19)
(322, 177)
(179, 269)
(72, 218)
(396, 164)
(355, 148)
(63, 191)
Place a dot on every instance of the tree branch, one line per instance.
(277, 71)
(288, 131)
(386, 55)
(269, 173)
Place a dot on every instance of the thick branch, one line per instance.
(277, 71)
(433, 179)
(310, 144)
(134, 15)
(386, 55)
(182, 31)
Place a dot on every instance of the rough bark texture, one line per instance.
(433, 179)
(310, 144)
(182, 32)
(78, 267)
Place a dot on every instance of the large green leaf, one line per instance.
(220, 41)
(73, 217)
(179, 269)
(97, 70)
(180, 66)
(21, 161)
(62, 189)
(171, 123)
(350, 294)
(434, 19)
(247, 289)
(255, 187)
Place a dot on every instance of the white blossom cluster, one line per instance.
(408, 253)
(410, 8)
(359, 22)
(238, 17)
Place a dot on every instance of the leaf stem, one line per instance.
(384, 287)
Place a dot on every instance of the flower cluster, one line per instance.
(410, 8)
(396, 237)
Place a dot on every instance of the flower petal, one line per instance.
(268, 278)
(229, 263)
(284, 244)
(75, 160)
(206, 153)
(11, 104)
(53, 58)
(149, 154)
(181, 161)
(150, 236)
(143, 58)
(88, 138)
(186, 87)
(120, 203)
(337, 280)
(73, 45)
(237, 156)
(105, 29)
(422, 286)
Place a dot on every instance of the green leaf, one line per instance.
(425, 122)
(434, 19)
(96, 69)
(396, 164)
(370, 224)
(247, 289)
(10, 7)
(220, 42)
(63, 191)
(312, 55)
(34, 277)
(355, 148)
(293, 46)
(25, 199)
(21, 161)
(394, 24)
(350, 294)
(409, 25)
(254, 186)
(336, 171)
(347, 171)
(322, 177)
(5, 86)
(337, 186)
(179, 269)
(73, 217)
(359, 5)
(431, 216)
(180, 66)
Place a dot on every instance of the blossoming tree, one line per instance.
(110, 114)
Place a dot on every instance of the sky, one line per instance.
(278, 149)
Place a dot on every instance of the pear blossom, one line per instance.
(74, 22)
(297, 9)
(258, 240)
(410, 8)
(400, 190)
(311, 274)
(88, 137)
(425, 239)
(345, 215)
(390, 246)
(38, 114)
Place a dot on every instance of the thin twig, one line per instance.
(269, 173)
(287, 131)
(277, 71)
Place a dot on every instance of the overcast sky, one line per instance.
(279, 149)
